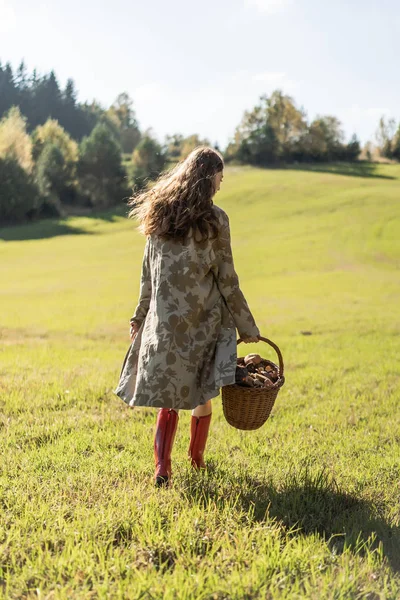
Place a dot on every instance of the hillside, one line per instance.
(305, 507)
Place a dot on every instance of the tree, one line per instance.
(190, 143)
(121, 113)
(287, 123)
(8, 89)
(353, 149)
(102, 179)
(178, 147)
(22, 81)
(70, 115)
(19, 197)
(56, 156)
(39, 98)
(90, 114)
(332, 132)
(366, 153)
(52, 132)
(14, 141)
(148, 160)
(47, 101)
(269, 133)
(384, 136)
(323, 140)
(313, 145)
(173, 146)
(50, 175)
(21, 77)
(396, 145)
(254, 140)
(276, 131)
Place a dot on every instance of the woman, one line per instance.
(183, 330)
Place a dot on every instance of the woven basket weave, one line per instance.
(249, 408)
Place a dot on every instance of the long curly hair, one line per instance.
(181, 199)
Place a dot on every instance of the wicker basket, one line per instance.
(249, 408)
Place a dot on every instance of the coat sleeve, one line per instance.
(145, 288)
(228, 284)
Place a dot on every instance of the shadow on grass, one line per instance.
(359, 169)
(53, 227)
(42, 229)
(304, 504)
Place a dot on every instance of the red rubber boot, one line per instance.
(167, 423)
(199, 427)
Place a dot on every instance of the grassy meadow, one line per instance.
(308, 506)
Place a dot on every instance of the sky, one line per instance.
(195, 67)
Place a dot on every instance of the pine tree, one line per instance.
(24, 93)
(46, 100)
(8, 89)
(70, 114)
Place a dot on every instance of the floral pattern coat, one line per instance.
(189, 306)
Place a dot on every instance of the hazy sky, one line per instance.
(196, 66)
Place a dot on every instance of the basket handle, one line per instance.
(275, 347)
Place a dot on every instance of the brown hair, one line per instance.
(181, 198)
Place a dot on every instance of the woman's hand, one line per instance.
(133, 330)
(250, 340)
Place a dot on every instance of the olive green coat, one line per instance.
(190, 303)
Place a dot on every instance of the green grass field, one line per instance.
(308, 506)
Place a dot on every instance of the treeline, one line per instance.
(56, 152)
(277, 132)
(42, 172)
(39, 98)
(47, 171)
